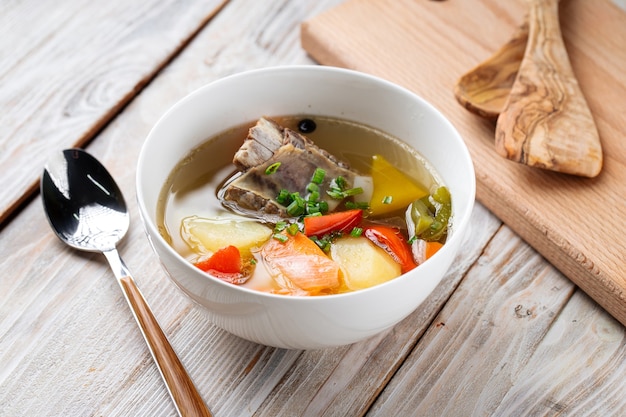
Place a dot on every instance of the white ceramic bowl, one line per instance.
(305, 322)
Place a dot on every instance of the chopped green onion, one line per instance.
(318, 176)
(272, 168)
(323, 243)
(313, 197)
(387, 199)
(284, 197)
(356, 232)
(280, 237)
(313, 209)
(340, 182)
(252, 261)
(357, 205)
(312, 187)
(280, 226)
(336, 194)
(337, 189)
(296, 208)
(353, 191)
(293, 229)
(293, 209)
(412, 240)
(312, 203)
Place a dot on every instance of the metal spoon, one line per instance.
(87, 211)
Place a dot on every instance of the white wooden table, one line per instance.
(504, 334)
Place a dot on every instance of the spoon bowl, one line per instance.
(87, 211)
(484, 89)
(85, 207)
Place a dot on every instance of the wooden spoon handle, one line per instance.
(546, 121)
(184, 393)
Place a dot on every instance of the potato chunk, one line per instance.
(363, 264)
(205, 235)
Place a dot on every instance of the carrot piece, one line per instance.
(391, 240)
(431, 248)
(227, 260)
(343, 221)
(226, 265)
(301, 263)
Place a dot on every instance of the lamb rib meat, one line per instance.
(253, 191)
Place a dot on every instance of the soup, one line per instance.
(363, 207)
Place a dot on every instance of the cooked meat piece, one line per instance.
(263, 140)
(268, 143)
(266, 137)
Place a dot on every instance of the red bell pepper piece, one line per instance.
(225, 264)
(342, 221)
(391, 240)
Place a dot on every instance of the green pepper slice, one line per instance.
(431, 215)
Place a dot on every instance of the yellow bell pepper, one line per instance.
(393, 190)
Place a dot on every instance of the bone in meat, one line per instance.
(267, 143)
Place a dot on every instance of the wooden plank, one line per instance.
(513, 340)
(578, 224)
(78, 316)
(61, 307)
(68, 344)
(67, 69)
(589, 353)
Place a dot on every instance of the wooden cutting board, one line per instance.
(578, 224)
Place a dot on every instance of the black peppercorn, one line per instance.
(306, 126)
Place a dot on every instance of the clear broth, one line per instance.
(192, 186)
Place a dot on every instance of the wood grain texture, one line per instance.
(69, 345)
(472, 326)
(523, 343)
(576, 223)
(485, 89)
(50, 320)
(65, 73)
(110, 372)
(187, 399)
(546, 122)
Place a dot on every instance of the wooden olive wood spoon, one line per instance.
(546, 122)
(485, 89)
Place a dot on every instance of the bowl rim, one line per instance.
(459, 225)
